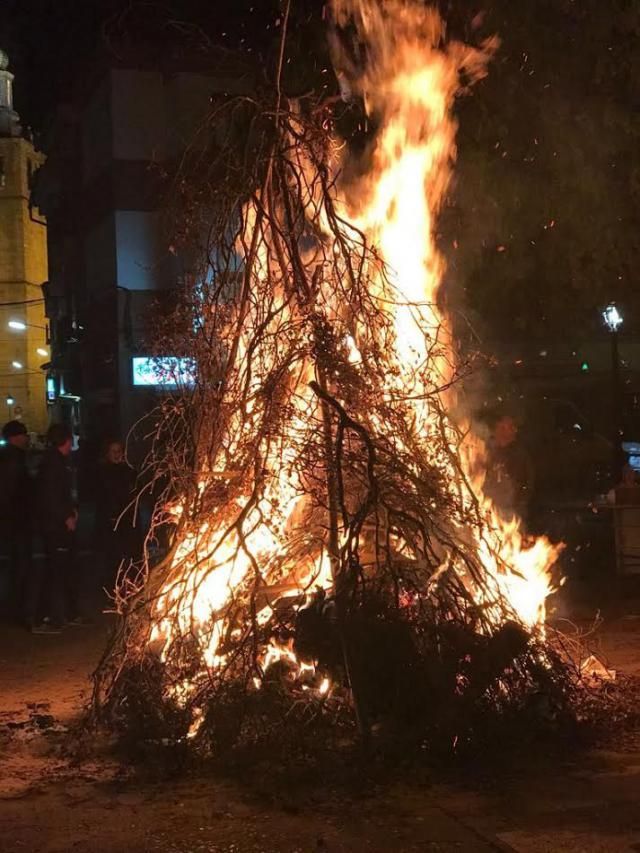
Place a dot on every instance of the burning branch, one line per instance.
(327, 513)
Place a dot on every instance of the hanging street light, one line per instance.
(21, 326)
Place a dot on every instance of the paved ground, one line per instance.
(49, 804)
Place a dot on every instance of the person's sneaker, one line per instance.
(79, 622)
(45, 628)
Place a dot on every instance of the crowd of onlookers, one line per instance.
(40, 508)
(39, 516)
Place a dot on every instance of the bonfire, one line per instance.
(330, 538)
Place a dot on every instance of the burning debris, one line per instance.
(334, 556)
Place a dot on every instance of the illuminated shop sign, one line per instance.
(163, 371)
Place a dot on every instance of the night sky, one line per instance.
(543, 212)
(50, 41)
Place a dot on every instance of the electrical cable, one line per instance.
(22, 302)
(23, 373)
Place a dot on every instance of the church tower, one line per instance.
(23, 269)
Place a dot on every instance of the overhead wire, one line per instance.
(21, 302)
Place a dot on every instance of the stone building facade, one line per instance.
(23, 270)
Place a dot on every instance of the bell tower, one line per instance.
(23, 269)
(9, 118)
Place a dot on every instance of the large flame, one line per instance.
(409, 80)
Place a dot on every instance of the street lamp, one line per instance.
(21, 326)
(17, 364)
(10, 400)
(613, 320)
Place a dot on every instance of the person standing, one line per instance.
(57, 594)
(510, 473)
(16, 510)
(117, 529)
(627, 492)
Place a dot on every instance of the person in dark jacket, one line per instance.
(510, 473)
(57, 596)
(16, 510)
(117, 529)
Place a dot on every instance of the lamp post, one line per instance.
(613, 320)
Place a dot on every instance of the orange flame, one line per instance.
(409, 82)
